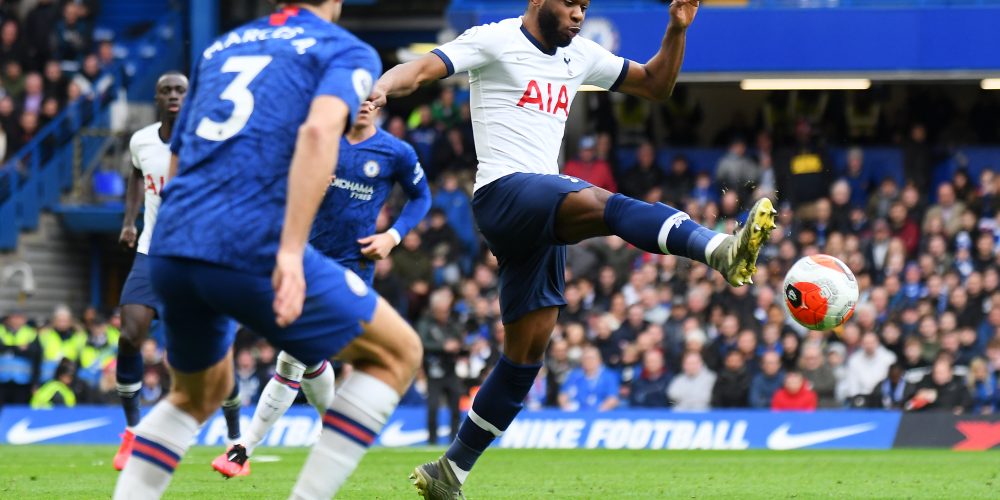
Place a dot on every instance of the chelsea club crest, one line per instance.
(372, 168)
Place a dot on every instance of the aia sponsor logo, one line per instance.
(546, 97)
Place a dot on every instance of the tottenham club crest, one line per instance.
(372, 169)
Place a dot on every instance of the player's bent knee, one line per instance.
(289, 367)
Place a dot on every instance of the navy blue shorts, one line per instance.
(517, 216)
(201, 300)
(138, 287)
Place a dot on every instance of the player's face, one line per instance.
(560, 20)
(170, 92)
(366, 117)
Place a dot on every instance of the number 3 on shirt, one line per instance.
(247, 68)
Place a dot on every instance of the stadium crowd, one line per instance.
(49, 58)
(644, 330)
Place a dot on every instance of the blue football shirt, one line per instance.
(249, 93)
(366, 173)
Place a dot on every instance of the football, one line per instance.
(820, 292)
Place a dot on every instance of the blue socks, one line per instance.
(658, 228)
(231, 410)
(498, 401)
(129, 377)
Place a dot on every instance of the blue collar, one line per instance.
(534, 41)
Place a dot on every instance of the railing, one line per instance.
(34, 178)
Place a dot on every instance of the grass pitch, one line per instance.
(85, 472)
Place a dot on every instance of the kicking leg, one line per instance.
(136, 320)
(278, 396)
(497, 403)
(386, 357)
(658, 228)
(163, 437)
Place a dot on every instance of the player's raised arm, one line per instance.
(655, 80)
(405, 79)
(313, 162)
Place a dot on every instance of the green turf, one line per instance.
(85, 472)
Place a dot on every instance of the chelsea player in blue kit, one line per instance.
(371, 163)
(253, 153)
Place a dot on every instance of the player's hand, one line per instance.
(128, 236)
(289, 287)
(682, 12)
(377, 246)
(377, 99)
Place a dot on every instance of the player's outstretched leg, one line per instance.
(317, 383)
(163, 437)
(497, 403)
(386, 358)
(136, 320)
(658, 228)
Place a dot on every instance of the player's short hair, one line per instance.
(172, 72)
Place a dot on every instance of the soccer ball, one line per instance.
(821, 292)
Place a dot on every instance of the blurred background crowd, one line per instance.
(50, 56)
(644, 330)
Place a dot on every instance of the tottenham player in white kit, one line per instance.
(524, 74)
(150, 152)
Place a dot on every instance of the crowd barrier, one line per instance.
(625, 429)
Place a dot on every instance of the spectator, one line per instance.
(445, 110)
(940, 390)
(795, 394)
(38, 28)
(591, 387)
(947, 208)
(890, 394)
(691, 390)
(732, 387)
(736, 171)
(457, 207)
(679, 182)
(918, 157)
(246, 374)
(62, 339)
(645, 175)
(58, 391)
(767, 382)
(12, 47)
(983, 386)
(868, 366)
(557, 367)
(423, 135)
(587, 167)
(858, 178)
(904, 228)
(152, 388)
(452, 154)
(73, 34)
(649, 388)
(20, 359)
(55, 84)
(33, 93)
(442, 339)
(819, 375)
(804, 172)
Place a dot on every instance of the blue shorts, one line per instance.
(517, 216)
(200, 299)
(138, 287)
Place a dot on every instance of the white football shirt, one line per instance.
(152, 157)
(521, 94)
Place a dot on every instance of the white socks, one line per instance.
(317, 382)
(161, 439)
(350, 426)
(278, 395)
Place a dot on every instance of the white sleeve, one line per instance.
(132, 147)
(477, 47)
(607, 70)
